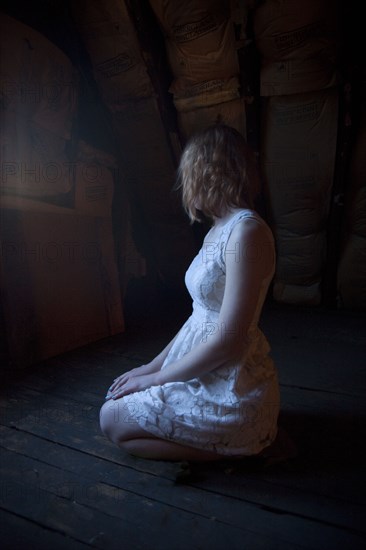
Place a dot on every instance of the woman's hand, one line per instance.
(138, 371)
(131, 382)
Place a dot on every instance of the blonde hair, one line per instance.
(217, 170)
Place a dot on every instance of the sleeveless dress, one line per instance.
(233, 409)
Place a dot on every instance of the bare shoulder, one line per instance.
(255, 241)
(249, 229)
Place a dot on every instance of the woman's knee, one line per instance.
(110, 419)
(117, 423)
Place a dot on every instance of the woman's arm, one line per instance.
(249, 260)
(150, 368)
(158, 361)
(246, 269)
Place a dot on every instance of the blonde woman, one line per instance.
(213, 391)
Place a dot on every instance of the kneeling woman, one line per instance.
(213, 391)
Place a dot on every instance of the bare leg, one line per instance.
(160, 449)
(121, 428)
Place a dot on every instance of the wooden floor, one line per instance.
(64, 485)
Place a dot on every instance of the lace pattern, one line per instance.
(233, 409)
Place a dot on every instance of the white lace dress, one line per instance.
(233, 409)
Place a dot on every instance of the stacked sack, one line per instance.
(114, 50)
(39, 88)
(297, 44)
(201, 51)
(145, 153)
(59, 278)
(352, 264)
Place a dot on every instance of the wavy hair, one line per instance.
(217, 171)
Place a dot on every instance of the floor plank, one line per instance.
(20, 532)
(68, 475)
(100, 513)
(324, 435)
(50, 417)
(61, 478)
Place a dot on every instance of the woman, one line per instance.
(213, 391)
